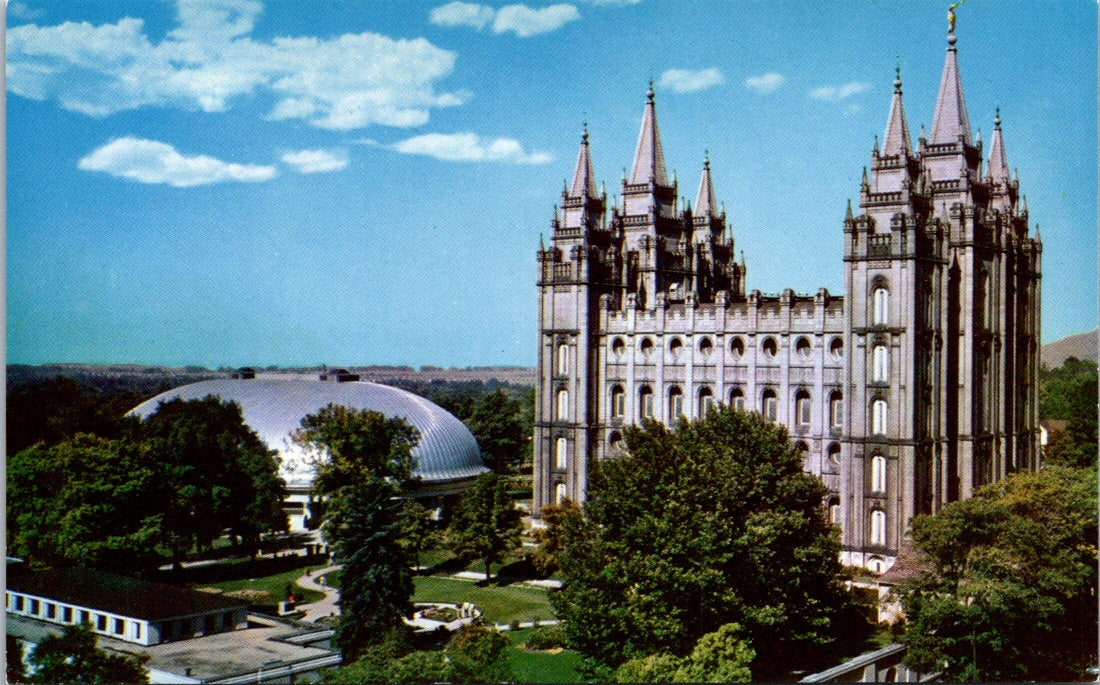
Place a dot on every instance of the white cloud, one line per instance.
(23, 12)
(150, 161)
(462, 14)
(688, 81)
(525, 21)
(521, 20)
(766, 83)
(208, 59)
(313, 161)
(469, 147)
(842, 92)
(616, 3)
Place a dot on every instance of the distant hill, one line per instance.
(1082, 346)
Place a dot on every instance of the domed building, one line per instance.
(447, 455)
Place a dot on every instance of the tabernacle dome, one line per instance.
(447, 455)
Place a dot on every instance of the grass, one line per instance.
(274, 585)
(541, 667)
(498, 604)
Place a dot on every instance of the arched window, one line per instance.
(737, 399)
(878, 417)
(803, 449)
(876, 564)
(878, 527)
(618, 402)
(833, 506)
(834, 453)
(880, 363)
(675, 404)
(706, 401)
(802, 408)
(618, 347)
(706, 347)
(674, 347)
(646, 346)
(563, 404)
(769, 346)
(645, 402)
(836, 410)
(878, 473)
(614, 441)
(769, 404)
(737, 347)
(559, 493)
(836, 348)
(563, 359)
(561, 453)
(803, 347)
(880, 306)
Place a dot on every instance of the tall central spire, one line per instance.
(584, 181)
(649, 160)
(950, 120)
(998, 164)
(896, 140)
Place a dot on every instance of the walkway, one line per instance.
(323, 607)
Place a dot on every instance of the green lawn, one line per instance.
(541, 667)
(498, 604)
(273, 585)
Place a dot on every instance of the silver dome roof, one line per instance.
(274, 407)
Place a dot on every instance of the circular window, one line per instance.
(618, 347)
(706, 347)
(836, 347)
(737, 347)
(770, 347)
(834, 454)
(646, 346)
(803, 346)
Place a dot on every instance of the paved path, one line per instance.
(323, 607)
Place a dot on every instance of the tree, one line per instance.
(712, 523)
(217, 474)
(87, 500)
(719, 657)
(1069, 393)
(59, 408)
(497, 424)
(363, 458)
(549, 538)
(1011, 590)
(486, 522)
(417, 528)
(73, 657)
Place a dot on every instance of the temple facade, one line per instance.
(915, 387)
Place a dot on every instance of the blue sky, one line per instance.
(288, 182)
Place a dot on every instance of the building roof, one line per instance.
(273, 406)
(908, 566)
(140, 599)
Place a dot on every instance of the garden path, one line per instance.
(323, 607)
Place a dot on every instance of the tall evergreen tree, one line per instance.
(486, 522)
(363, 459)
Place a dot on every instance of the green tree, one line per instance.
(549, 538)
(496, 421)
(73, 657)
(363, 459)
(59, 408)
(1011, 590)
(719, 657)
(417, 528)
(87, 500)
(1069, 393)
(216, 474)
(712, 523)
(486, 523)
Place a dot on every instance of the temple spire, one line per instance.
(949, 121)
(896, 139)
(705, 204)
(649, 159)
(584, 181)
(998, 164)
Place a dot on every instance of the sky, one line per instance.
(237, 182)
